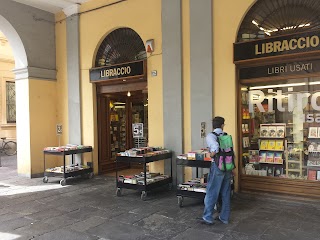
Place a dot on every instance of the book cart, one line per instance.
(145, 187)
(64, 172)
(186, 193)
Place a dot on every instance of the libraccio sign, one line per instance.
(283, 45)
(119, 71)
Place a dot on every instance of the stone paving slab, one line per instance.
(89, 209)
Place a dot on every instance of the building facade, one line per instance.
(190, 74)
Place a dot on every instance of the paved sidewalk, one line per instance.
(89, 209)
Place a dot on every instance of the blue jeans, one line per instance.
(219, 182)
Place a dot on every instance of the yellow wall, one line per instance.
(225, 27)
(7, 130)
(43, 111)
(142, 16)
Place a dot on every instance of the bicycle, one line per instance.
(8, 147)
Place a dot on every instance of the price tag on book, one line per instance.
(137, 130)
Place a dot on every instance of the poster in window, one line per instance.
(313, 132)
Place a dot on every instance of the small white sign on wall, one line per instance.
(59, 129)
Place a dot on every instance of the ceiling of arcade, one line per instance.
(52, 6)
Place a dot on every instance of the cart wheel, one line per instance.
(118, 192)
(63, 182)
(143, 195)
(180, 201)
(91, 175)
(45, 179)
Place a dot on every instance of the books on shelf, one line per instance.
(313, 132)
(278, 171)
(264, 131)
(246, 142)
(272, 131)
(280, 131)
(270, 171)
(278, 158)
(278, 145)
(312, 175)
(263, 144)
(271, 145)
(253, 156)
(270, 157)
(262, 157)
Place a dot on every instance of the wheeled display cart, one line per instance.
(145, 186)
(64, 172)
(185, 193)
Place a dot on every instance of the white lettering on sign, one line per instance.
(137, 130)
(296, 101)
(115, 72)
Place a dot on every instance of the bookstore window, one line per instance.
(10, 102)
(280, 129)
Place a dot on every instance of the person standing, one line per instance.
(219, 182)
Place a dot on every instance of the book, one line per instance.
(271, 145)
(272, 131)
(312, 175)
(278, 145)
(262, 157)
(313, 132)
(253, 156)
(270, 171)
(278, 157)
(280, 130)
(246, 142)
(270, 157)
(264, 145)
(278, 171)
(264, 130)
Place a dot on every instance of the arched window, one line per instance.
(120, 46)
(268, 18)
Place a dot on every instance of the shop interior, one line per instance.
(117, 112)
(279, 128)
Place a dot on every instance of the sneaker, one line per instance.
(202, 221)
(221, 221)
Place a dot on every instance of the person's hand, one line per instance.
(234, 172)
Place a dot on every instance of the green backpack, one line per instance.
(225, 157)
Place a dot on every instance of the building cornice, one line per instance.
(71, 10)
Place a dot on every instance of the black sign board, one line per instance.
(283, 69)
(277, 46)
(119, 71)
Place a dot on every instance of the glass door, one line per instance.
(118, 126)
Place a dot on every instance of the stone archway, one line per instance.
(14, 39)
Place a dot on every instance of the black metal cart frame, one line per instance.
(196, 164)
(83, 172)
(143, 160)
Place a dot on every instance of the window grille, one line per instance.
(11, 102)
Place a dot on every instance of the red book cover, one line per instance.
(312, 175)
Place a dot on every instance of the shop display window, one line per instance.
(280, 128)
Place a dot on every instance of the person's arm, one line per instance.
(212, 144)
